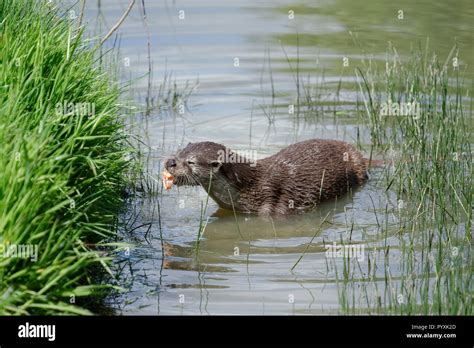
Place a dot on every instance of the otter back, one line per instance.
(294, 180)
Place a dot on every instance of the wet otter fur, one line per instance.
(293, 180)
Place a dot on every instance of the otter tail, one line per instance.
(370, 163)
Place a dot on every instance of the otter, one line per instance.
(294, 180)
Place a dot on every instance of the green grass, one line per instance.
(429, 270)
(62, 173)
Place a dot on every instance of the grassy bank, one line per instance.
(62, 162)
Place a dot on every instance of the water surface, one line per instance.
(245, 264)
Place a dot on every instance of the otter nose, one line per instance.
(171, 163)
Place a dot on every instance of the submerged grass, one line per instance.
(429, 270)
(62, 161)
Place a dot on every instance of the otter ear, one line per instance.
(215, 166)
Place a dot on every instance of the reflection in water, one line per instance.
(243, 264)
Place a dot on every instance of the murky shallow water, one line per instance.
(244, 265)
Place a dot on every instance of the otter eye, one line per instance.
(215, 164)
(190, 162)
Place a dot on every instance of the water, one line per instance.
(237, 54)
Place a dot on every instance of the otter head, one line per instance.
(194, 164)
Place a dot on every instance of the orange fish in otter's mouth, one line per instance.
(167, 179)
